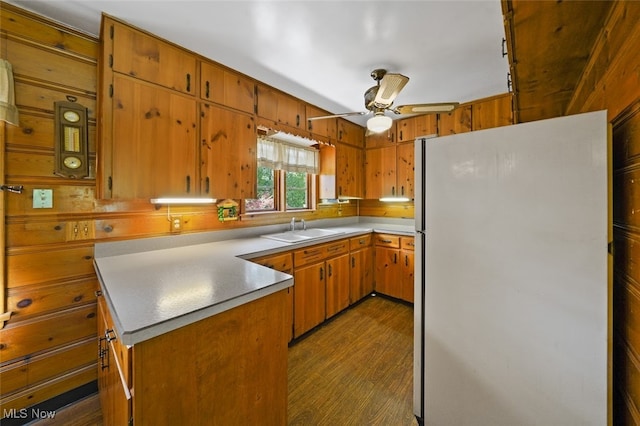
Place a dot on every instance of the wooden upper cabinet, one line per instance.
(408, 129)
(456, 121)
(350, 133)
(325, 127)
(153, 144)
(228, 147)
(380, 172)
(280, 108)
(349, 171)
(225, 87)
(375, 140)
(405, 170)
(142, 56)
(492, 112)
(390, 171)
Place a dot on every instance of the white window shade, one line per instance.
(279, 155)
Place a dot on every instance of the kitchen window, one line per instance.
(285, 177)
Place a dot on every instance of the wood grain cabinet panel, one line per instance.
(153, 150)
(361, 275)
(492, 112)
(349, 171)
(283, 111)
(148, 58)
(228, 149)
(456, 121)
(337, 285)
(408, 129)
(225, 87)
(350, 133)
(325, 128)
(407, 245)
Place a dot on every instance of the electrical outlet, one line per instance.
(176, 223)
(81, 230)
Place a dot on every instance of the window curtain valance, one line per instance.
(277, 155)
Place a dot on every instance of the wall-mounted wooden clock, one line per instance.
(72, 140)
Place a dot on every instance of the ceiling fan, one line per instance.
(380, 97)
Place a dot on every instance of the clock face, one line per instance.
(71, 116)
(72, 162)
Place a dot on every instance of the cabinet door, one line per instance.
(350, 133)
(349, 169)
(337, 284)
(361, 282)
(406, 129)
(407, 275)
(280, 108)
(457, 121)
(493, 112)
(116, 406)
(377, 140)
(309, 298)
(380, 172)
(282, 263)
(388, 273)
(154, 141)
(325, 127)
(228, 153)
(327, 175)
(147, 58)
(226, 87)
(405, 154)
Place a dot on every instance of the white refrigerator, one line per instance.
(513, 275)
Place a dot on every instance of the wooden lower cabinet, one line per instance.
(337, 285)
(230, 368)
(361, 263)
(394, 266)
(282, 262)
(309, 306)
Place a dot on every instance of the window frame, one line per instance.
(280, 195)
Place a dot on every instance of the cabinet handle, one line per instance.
(406, 260)
(330, 271)
(206, 184)
(188, 184)
(395, 258)
(400, 138)
(384, 241)
(311, 252)
(402, 190)
(393, 190)
(297, 120)
(206, 90)
(340, 135)
(353, 262)
(188, 82)
(362, 241)
(102, 352)
(110, 335)
(321, 273)
(98, 293)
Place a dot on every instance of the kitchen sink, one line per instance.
(302, 235)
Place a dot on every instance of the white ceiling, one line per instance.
(323, 51)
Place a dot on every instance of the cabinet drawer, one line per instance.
(336, 248)
(280, 262)
(309, 255)
(387, 240)
(407, 243)
(359, 242)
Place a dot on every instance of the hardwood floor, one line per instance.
(356, 369)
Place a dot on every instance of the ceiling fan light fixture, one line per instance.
(379, 123)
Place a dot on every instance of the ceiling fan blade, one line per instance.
(426, 108)
(390, 86)
(344, 114)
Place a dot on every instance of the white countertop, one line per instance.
(152, 286)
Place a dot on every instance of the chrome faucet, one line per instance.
(293, 224)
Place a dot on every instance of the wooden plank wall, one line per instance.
(48, 345)
(612, 81)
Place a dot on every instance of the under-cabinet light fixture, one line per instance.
(394, 199)
(178, 200)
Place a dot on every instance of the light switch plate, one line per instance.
(43, 198)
